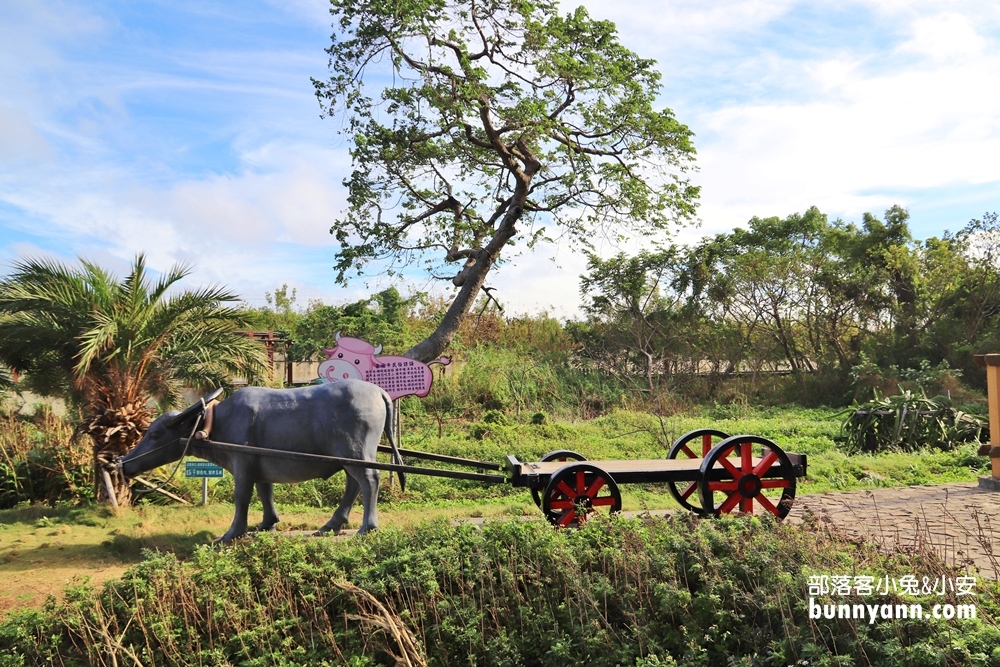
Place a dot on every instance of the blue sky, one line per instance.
(189, 130)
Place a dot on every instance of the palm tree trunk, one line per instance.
(114, 432)
(110, 486)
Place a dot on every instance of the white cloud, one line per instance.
(675, 26)
(945, 37)
(19, 140)
(863, 134)
(544, 280)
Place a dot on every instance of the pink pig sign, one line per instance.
(358, 359)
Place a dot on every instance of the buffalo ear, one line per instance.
(194, 408)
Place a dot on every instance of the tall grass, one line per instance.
(43, 460)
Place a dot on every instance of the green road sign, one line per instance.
(201, 469)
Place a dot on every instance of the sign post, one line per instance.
(204, 470)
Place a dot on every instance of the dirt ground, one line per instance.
(47, 559)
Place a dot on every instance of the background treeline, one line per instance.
(844, 306)
(795, 310)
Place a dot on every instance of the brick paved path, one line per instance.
(959, 522)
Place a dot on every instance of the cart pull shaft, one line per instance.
(375, 465)
(454, 460)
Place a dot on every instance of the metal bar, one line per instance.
(521, 474)
(454, 460)
(375, 465)
(163, 491)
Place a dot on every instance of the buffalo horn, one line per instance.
(378, 349)
(194, 408)
(336, 336)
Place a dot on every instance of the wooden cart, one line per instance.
(731, 473)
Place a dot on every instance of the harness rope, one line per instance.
(187, 445)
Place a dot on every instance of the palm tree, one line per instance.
(110, 347)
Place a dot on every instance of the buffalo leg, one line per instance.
(369, 479)
(265, 491)
(241, 498)
(351, 491)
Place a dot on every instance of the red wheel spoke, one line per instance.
(595, 487)
(605, 501)
(567, 518)
(581, 483)
(562, 486)
(775, 483)
(561, 504)
(730, 503)
(688, 491)
(722, 486)
(733, 470)
(706, 444)
(746, 505)
(746, 457)
(765, 463)
(687, 450)
(767, 504)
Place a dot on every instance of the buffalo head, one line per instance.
(162, 442)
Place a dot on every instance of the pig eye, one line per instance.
(357, 362)
(340, 356)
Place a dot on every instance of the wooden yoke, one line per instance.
(992, 364)
(206, 429)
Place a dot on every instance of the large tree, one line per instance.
(477, 124)
(109, 346)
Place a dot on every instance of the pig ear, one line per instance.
(378, 349)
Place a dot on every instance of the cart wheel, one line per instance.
(557, 455)
(682, 449)
(752, 477)
(576, 490)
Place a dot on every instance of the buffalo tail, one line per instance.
(396, 456)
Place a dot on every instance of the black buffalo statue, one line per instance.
(345, 419)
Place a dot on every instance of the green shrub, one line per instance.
(495, 417)
(42, 460)
(617, 592)
(908, 422)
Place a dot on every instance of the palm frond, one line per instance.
(82, 331)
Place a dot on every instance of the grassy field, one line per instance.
(43, 548)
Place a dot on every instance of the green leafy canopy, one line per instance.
(465, 118)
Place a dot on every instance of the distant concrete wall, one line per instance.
(304, 372)
(26, 403)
